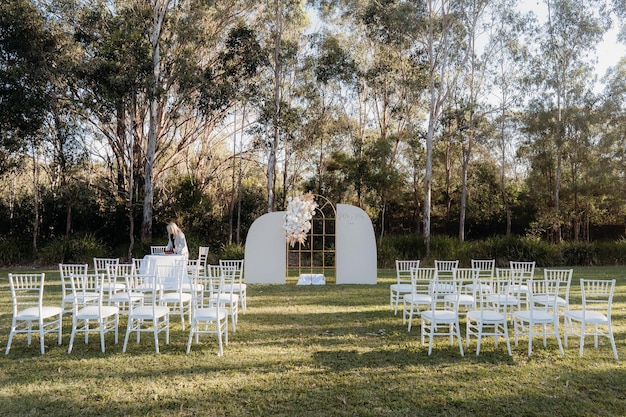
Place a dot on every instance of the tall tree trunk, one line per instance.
(160, 10)
(271, 165)
(35, 196)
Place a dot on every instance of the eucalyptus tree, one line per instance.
(611, 147)
(281, 24)
(511, 33)
(471, 15)
(144, 68)
(440, 44)
(28, 55)
(570, 35)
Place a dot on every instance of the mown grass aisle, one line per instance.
(313, 351)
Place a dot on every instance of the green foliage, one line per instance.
(10, 251)
(579, 253)
(78, 248)
(232, 251)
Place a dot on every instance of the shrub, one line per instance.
(10, 251)
(232, 251)
(78, 248)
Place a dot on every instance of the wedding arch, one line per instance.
(352, 255)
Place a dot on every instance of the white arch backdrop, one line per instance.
(355, 248)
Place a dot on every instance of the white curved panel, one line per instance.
(355, 245)
(265, 253)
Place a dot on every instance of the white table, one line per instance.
(154, 261)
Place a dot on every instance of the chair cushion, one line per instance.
(594, 317)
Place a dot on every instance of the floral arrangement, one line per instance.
(300, 211)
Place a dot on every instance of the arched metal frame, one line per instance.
(317, 254)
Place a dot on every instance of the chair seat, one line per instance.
(418, 298)
(93, 312)
(548, 300)
(81, 299)
(502, 299)
(190, 288)
(477, 287)
(401, 287)
(227, 299)
(538, 316)
(121, 297)
(148, 287)
(210, 314)
(486, 316)
(593, 317)
(32, 313)
(447, 316)
(464, 299)
(149, 312)
(114, 286)
(174, 297)
(236, 287)
(518, 288)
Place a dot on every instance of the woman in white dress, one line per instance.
(177, 243)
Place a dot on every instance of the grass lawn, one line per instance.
(313, 351)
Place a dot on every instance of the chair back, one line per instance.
(403, 270)
(486, 267)
(203, 255)
(87, 289)
(210, 284)
(597, 295)
(65, 270)
(563, 275)
(26, 291)
(156, 250)
(445, 284)
(100, 265)
(234, 267)
(546, 290)
(526, 268)
(421, 280)
(446, 268)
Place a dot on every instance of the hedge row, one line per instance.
(503, 249)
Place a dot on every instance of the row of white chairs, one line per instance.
(491, 298)
(207, 295)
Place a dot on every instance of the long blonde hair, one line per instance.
(173, 229)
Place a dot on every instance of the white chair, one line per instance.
(178, 300)
(466, 277)
(89, 317)
(108, 268)
(442, 319)
(100, 265)
(130, 297)
(227, 297)
(446, 268)
(594, 318)
(30, 315)
(521, 273)
(208, 316)
(403, 283)
(157, 250)
(150, 317)
(67, 300)
(487, 319)
(239, 287)
(541, 316)
(565, 276)
(420, 295)
(200, 263)
(501, 295)
(485, 269)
